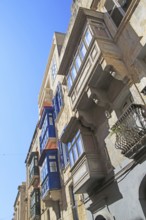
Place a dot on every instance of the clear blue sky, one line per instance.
(26, 30)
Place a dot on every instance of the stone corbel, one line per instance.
(86, 119)
(115, 67)
(99, 96)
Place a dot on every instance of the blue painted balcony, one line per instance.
(47, 126)
(50, 176)
(35, 204)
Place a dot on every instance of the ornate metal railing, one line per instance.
(130, 130)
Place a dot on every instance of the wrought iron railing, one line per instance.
(130, 130)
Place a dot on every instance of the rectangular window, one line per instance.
(88, 37)
(53, 166)
(54, 69)
(58, 100)
(78, 62)
(44, 170)
(63, 154)
(75, 149)
(69, 82)
(83, 50)
(117, 9)
(79, 57)
(73, 73)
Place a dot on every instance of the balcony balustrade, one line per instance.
(130, 131)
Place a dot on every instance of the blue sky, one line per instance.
(26, 30)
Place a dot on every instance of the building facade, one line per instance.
(90, 141)
(20, 203)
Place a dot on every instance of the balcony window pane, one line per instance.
(53, 166)
(80, 146)
(75, 152)
(117, 16)
(73, 73)
(82, 51)
(69, 145)
(78, 62)
(124, 4)
(69, 82)
(71, 158)
(88, 37)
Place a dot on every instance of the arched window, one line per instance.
(48, 214)
(100, 217)
(142, 195)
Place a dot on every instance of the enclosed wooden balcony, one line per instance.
(91, 56)
(35, 205)
(47, 126)
(130, 131)
(87, 168)
(50, 175)
(33, 169)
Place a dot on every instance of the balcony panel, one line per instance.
(102, 55)
(34, 176)
(130, 131)
(87, 172)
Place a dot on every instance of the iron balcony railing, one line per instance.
(130, 130)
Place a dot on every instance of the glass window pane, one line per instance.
(80, 146)
(69, 82)
(73, 73)
(82, 51)
(78, 62)
(125, 4)
(71, 159)
(69, 145)
(53, 166)
(75, 152)
(88, 37)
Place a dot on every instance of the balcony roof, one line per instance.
(44, 153)
(75, 36)
(31, 156)
(70, 130)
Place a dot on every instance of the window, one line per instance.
(78, 62)
(88, 37)
(33, 164)
(53, 166)
(58, 100)
(82, 50)
(54, 69)
(117, 9)
(45, 186)
(63, 154)
(75, 149)
(79, 57)
(44, 170)
(35, 203)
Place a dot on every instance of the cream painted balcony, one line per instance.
(130, 131)
(90, 57)
(87, 168)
